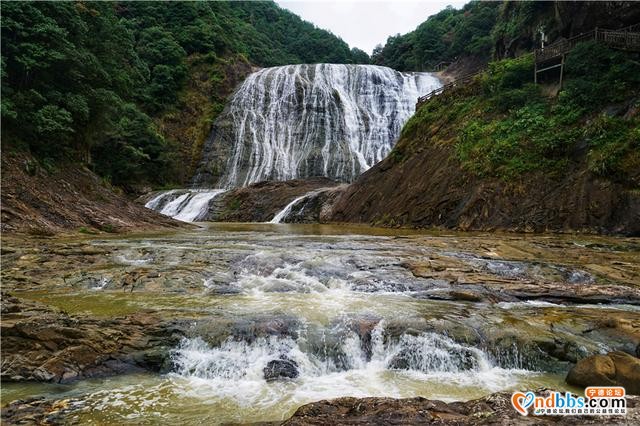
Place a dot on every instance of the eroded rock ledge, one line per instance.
(261, 201)
(40, 343)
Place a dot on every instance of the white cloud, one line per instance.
(366, 23)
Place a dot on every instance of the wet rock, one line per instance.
(627, 371)
(494, 409)
(495, 281)
(42, 344)
(596, 370)
(343, 328)
(467, 296)
(283, 368)
(216, 330)
(38, 411)
(613, 369)
(261, 201)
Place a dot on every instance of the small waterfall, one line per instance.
(428, 353)
(187, 205)
(299, 121)
(328, 363)
(282, 214)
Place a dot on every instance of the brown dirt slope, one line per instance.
(66, 198)
(430, 189)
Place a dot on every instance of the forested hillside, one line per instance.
(106, 82)
(481, 31)
(443, 37)
(502, 152)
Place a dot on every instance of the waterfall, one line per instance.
(187, 205)
(299, 121)
(282, 214)
(324, 364)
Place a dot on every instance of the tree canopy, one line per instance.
(443, 37)
(84, 80)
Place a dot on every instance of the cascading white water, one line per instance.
(235, 369)
(282, 214)
(183, 204)
(298, 121)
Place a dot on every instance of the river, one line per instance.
(334, 310)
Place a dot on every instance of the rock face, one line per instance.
(558, 19)
(299, 121)
(613, 369)
(42, 344)
(260, 202)
(42, 202)
(494, 409)
(280, 369)
(423, 184)
(38, 411)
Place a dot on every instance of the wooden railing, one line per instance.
(455, 83)
(561, 47)
(625, 38)
(441, 66)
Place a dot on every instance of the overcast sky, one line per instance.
(366, 23)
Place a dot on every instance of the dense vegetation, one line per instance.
(87, 80)
(443, 37)
(482, 31)
(505, 126)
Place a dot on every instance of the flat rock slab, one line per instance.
(40, 343)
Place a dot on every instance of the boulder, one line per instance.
(613, 369)
(627, 371)
(493, 409)
(280, 369)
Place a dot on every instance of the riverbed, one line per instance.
(333, 311)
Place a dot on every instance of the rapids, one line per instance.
(344, 311)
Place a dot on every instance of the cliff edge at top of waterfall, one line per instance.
(42, 200)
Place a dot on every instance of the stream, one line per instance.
(280, 315)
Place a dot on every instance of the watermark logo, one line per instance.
(598, 400)
(522, 401)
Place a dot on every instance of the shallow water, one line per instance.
(354, 308)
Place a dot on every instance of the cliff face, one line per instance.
(431, 189)
(202, 99)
